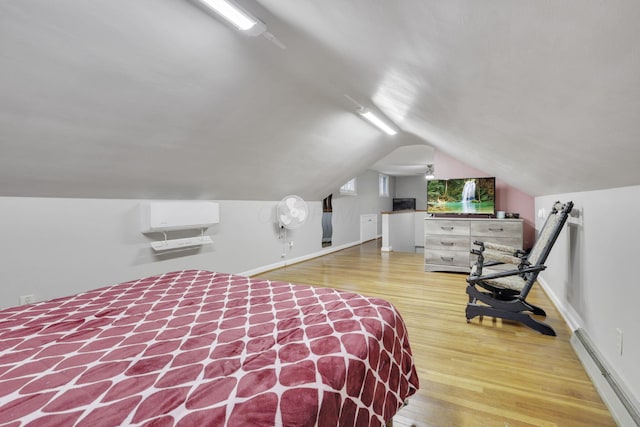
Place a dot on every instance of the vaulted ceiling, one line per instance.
(162, 99)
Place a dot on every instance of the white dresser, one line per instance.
(448, 241)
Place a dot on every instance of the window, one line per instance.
(349, 188)
(383, 185)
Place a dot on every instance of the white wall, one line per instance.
(593, 276)
(54, 247)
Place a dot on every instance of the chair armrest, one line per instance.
(498, 247)
(502, 257)
(536, 268)
(502, 248)
(493, 253)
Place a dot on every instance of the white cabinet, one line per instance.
(448, 241)
(368, 227)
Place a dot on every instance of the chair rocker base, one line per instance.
(511, 304)
(505, 309)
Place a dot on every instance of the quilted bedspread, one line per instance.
(197, 348)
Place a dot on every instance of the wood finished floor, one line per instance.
(486, 373)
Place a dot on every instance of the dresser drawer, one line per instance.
(447, 243)
(496, 228)
(452, 258)
(448, 227)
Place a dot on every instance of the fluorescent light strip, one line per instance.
(377, 122)
(229, 11)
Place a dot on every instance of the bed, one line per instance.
(200, 348)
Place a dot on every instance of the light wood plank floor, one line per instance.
(485, 373)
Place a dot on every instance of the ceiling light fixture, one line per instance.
(376, 121)
(240, 19)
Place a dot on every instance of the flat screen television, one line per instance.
(404, 204)
(462, 196)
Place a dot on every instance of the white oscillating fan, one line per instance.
(292, 212)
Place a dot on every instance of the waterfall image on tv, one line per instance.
(461, 196)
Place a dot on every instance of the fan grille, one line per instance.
(292, 212)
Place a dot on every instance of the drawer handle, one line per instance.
(496, 229)
(446, 258)
(446, 243)
(447, 228)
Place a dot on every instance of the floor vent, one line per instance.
(624, 410)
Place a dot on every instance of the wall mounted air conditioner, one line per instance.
(169, 216)
(179, 215)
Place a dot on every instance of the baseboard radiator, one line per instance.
(625, 402)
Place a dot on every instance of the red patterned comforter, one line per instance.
(196, 348)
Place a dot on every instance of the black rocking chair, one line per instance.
(505, 291)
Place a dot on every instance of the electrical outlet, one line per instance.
(27, 299)
(619, 340)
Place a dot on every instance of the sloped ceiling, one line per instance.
(161, 99)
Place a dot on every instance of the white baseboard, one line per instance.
(286, 262)
(594, 364)
(612, 390)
